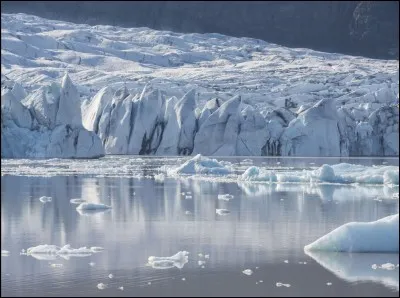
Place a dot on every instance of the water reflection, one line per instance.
(357, 267)
(266, 224)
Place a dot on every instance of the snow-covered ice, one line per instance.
(178, 260)
(143, 91)
(377, 236)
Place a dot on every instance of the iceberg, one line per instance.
(377, 236)
(92, 206)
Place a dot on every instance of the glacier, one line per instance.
(139, 91)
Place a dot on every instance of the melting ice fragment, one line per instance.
(200, 165)
(45, 199)
(178, 260)
(5, 253)
(222, 211)
(248, 272)
(225, 197)
(101, 286)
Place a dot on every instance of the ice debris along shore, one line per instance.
(342, 173)
(143, 91)
(377, 236)
(178, 260)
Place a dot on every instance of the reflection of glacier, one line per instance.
(357, 267)
(148, 216)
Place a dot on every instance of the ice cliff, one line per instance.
(45, 124)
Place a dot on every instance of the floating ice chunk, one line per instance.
(203, 267)
(110, 276)
(178, 260)
(201, 165)
(200, 255)
(5, 253)
(96, 248)
(261, 280)
(56, 265)
(279, 284)
(45, 199)
(328, 283)
(43, 249)
(201, 263)
(248, 272)
(92, 206)
(377, 236)
(183, 193)
(159, 177)
(183, 278)
(374, 266)
(77, 201)
(188, 197)
(222, 211)
(121, 288)
(206, 256)
(189, 192)
(91, 212)
(67, 250)
(286, 261)
(92, 264)
(149, 283)
(225, 197)
(388, 266)
(256, 174)
(101, 286)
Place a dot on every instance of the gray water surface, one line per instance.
(265, 231)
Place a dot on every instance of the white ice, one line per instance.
(222, 211)
(178, 260)
(45, 199)
(248, 271)
(377, 236)
(225, 197)
(200, 165)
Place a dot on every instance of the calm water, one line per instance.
(267, 225)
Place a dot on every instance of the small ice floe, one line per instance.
(56, 265)
(121, 288)
(92, 206)
(278, 163)
(201, 262)
(328, 283)
(257, 267)
(101, 286)
(183, 278)
(248, 272)
(279, 284)
(149, 283)
(110, 276)
(189, 192)
(178, 260)
(188, 197)
(261, 280)
(387, 266)
(225, 197)
(77, 201)
(45, 199)
(200, 255)
(96, 248)
(384, 162)
(188, 212)
(222, 211)
(206, 256)
(5, 253)
(286, 261)
(92, 264)
(303, 263)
